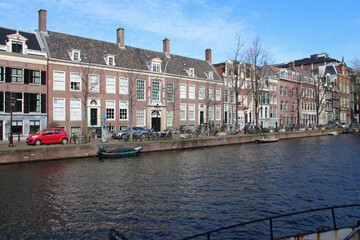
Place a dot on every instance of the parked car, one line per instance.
(343, 125)
(137, 131)
(49, 135)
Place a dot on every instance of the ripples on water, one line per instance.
(175, 194)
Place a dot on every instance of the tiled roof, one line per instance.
(32, 41)
(60, 45)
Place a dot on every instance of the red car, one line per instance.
(50, 135)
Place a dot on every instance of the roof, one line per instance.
(60, 45)
(316, 58)
(32, 41)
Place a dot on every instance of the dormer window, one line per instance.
(191, 72)
(155, 65)
(110, 60)
(75, 55)
(209, 75)
(16, 47)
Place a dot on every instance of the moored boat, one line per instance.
(118, 152)
(333, 133)
(267, 140)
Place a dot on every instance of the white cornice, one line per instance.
(15, 57)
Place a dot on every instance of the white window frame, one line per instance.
(76, 55)
(94, 83)
(183, 91)
(191, 91)
(59, 79)
(124, 86)
(170, 92)
(201, 92)
(110, 104)
(75, 78)
(141, 117)
(218, 112)
(59, 109)
(169, 118)
(211, 113)
(75, 109)
(123, 105)
(191, 112)
(155, 91)
(110, 84)
(182, 111)
(218, 94)
(140, 90)
(110, 60)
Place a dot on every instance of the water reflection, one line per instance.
(178, 193)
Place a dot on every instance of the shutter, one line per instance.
(26, 102)
(7, 102)
(43, 77)
(43, 103)
(7, 74)
(27, 76)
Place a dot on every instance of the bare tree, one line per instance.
(299, 95)
(257, 56)
(319, 94)
(355, 83)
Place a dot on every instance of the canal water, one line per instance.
(174, 194)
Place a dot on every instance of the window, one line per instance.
(293, 106)
(2, 101)
(110, 84)
(17, 127)
(16, 47)
(123, 110)
(218, 112)
(281, 90)
(124, 86)
(16, 75)
(34, 126)
(211, 75)
(191, 91)
(169, 118)
(140, 90)
(75, 109)
(182, 111)
(182, 90)
(232, 96)
(285, 91)
(140, 117)
(169, 92)
(18, 107)
(156, 67)
(226, 96)
(75, 82)
(110, 60)
(110, 110)
(1, 74)
(59, 109)
(94, 83)
(211, 94)
(59, 81)
(192, 112)
(218, 94)
(75, 55)
(282, 106)
(35, 77)
(211, 113)
(34, 100)
(286, 106)
(201, 93)
(293, 92)
(155, 91)
(191, 72)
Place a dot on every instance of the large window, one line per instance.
(201, 93)
(110, 84)
(140, 89)
(156, 67)
(218, 94)
(34, 126)
(191, 91)
(182, 90)
(155, 91)
(211, 113)
(16, 47)
(182, 111)
(124, 86)
(169, 92)
(169, 118)
(218, 112)
(17, 127)
(211, 94)
(94, 83)
(75, 81)
(140, 117)
(59, 109)
(226, 96)
(35, 77)
(75, 109)
(16, 75)
(123, 110)
(59, 81)
(1, 74)
(34, 102)
(110, 109)
(192, 112)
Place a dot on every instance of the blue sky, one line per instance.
(289, 29)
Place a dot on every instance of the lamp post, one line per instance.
(12, 104)
(157, 116)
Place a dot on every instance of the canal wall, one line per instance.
(71, 151)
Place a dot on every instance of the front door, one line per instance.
(93, 116)
(156, 123)
(201, 117)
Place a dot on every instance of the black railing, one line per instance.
(270, 219)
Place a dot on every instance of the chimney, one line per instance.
(121, 37)
(42, 20)
(166, 47)
(208, 55)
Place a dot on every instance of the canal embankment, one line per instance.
(23, 153)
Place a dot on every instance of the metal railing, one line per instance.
(270, 220)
